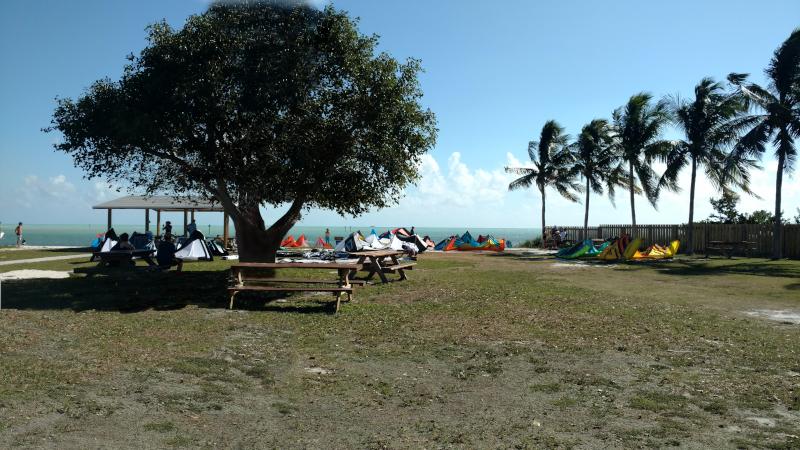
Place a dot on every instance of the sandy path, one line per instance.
(45, 259)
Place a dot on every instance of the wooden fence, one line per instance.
(703, 233)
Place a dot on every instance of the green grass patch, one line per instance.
(471, 351)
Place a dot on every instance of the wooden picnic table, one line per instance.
(382, 262)
(123, 256)
(728, 248)
(246, 277)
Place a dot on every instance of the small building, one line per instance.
(166, 203)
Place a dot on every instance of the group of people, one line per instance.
(556, 235)
(165, 254)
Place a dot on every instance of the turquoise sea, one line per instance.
(82, 235)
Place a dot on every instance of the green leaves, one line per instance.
(639, 124)
(259, 103)
(553, 163)
(711, 123)
(779, 106)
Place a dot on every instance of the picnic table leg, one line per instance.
(360, 261)
(232, 296)
(344, 281)
(338, 301)
(372, 270)
(402, 271)
(379, 269)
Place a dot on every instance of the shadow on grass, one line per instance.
(766, 268)
(793, 287)
(70, 250)
(524, 256)
(131, 292)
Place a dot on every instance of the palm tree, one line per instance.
(638, 126)
(711, 123)
(597, 162)
(552, 161)
(779, 121)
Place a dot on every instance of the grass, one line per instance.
(472, 351)
(12, 254)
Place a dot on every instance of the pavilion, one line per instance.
(166, 203)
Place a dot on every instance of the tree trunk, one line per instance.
(777, 238)
(586, 213)
(541, 189)
(257, 244)
(631, 188)
(690, 231)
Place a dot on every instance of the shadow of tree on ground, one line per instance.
(135, 291)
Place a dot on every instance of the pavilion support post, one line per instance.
(158, 222)
(225, 230)
(185, 221)
(192, 215)
(109, 220)
(146, 220)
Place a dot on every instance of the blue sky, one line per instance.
(494, 75)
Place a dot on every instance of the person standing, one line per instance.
(191, 228)
(18, 232)
(168, 228)
(327, 235)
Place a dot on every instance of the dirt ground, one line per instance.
(474, 351)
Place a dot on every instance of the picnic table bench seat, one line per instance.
(120, 257)
(381, 262)
(245, 278)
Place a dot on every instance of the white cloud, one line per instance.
(459, 185)
(34, 190)
(102, 192)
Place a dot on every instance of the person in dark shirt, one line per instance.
(123, 244)
(166, 254)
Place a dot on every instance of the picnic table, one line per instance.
(728, 248)
(382, 262)
(120, 257)
(252, 277)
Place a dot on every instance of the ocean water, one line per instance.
(82, 235)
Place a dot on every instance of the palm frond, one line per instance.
(522, 171)
(523, 182)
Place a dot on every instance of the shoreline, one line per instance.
(6, 248)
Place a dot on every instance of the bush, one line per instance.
(532, 243)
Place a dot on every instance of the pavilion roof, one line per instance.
(161, 202)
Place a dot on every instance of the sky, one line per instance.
(494, 73)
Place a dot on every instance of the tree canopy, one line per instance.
(553, 162)
(639, 124)
(778, 121)
(256, 104)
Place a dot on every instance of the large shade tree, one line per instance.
(639, 124)
(598, 162)
(776, 122)
(552, 167)
(711, 122)
(256, 105)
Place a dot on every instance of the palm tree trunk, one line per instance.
(690, 230)
(777, 238)
(541, 189)
(586, 214)
(631, 188)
